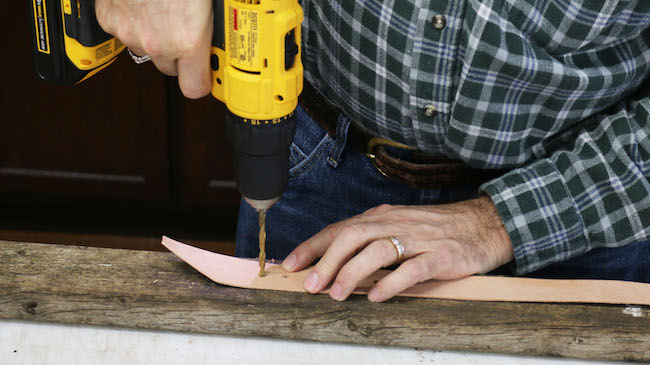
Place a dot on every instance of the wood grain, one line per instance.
(155, 290)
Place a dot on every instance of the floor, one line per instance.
(24, 342)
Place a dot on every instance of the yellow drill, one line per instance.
(256, 71)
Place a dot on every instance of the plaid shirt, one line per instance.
(555, 90)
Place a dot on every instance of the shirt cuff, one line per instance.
(540, 215)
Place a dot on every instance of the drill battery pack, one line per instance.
(68, 45)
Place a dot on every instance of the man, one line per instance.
(528, 119)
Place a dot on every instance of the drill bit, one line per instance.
(262, 238)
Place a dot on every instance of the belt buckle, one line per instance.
(375, 142)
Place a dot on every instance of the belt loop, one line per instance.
(336, 151)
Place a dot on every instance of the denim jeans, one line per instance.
(329, 182)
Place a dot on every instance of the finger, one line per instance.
(378, 254)
(310, 250)
(313, 248)
(194, 68)
(105, 14)
(350, 240)
(418, 269)
(316, 246)
(166, 66)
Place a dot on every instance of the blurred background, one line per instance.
(116, 161)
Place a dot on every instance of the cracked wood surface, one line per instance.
(155, 290)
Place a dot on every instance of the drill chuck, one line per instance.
(261, 152)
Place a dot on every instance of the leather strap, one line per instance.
(243, 273)
(429, 172)
(319, 109)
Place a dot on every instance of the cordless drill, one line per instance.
(256, 71)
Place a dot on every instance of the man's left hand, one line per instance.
(440, 242)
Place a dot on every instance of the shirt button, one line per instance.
(430, 110)
(439, 21)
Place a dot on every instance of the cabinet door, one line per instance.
(107, 137)
(204, 158)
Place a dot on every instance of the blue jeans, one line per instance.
(330, 182)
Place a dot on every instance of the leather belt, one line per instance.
(418, 169)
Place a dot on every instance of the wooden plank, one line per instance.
(155, 290)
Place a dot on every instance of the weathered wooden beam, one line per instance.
(155, 290)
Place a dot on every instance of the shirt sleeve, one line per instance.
(592, 189)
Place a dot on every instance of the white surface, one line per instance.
(43, 343)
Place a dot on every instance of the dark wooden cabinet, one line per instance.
(107, 137)
(125, 134)
(202, 152)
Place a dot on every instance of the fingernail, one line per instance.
(336, 292)
(373, 296)
(311, 282)
(289, 262)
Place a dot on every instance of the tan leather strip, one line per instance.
(243, 273)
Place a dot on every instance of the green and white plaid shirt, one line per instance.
(556, 90)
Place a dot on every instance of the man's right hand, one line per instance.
(177, 35)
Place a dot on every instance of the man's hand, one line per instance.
(440, 242)
(175, 34)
